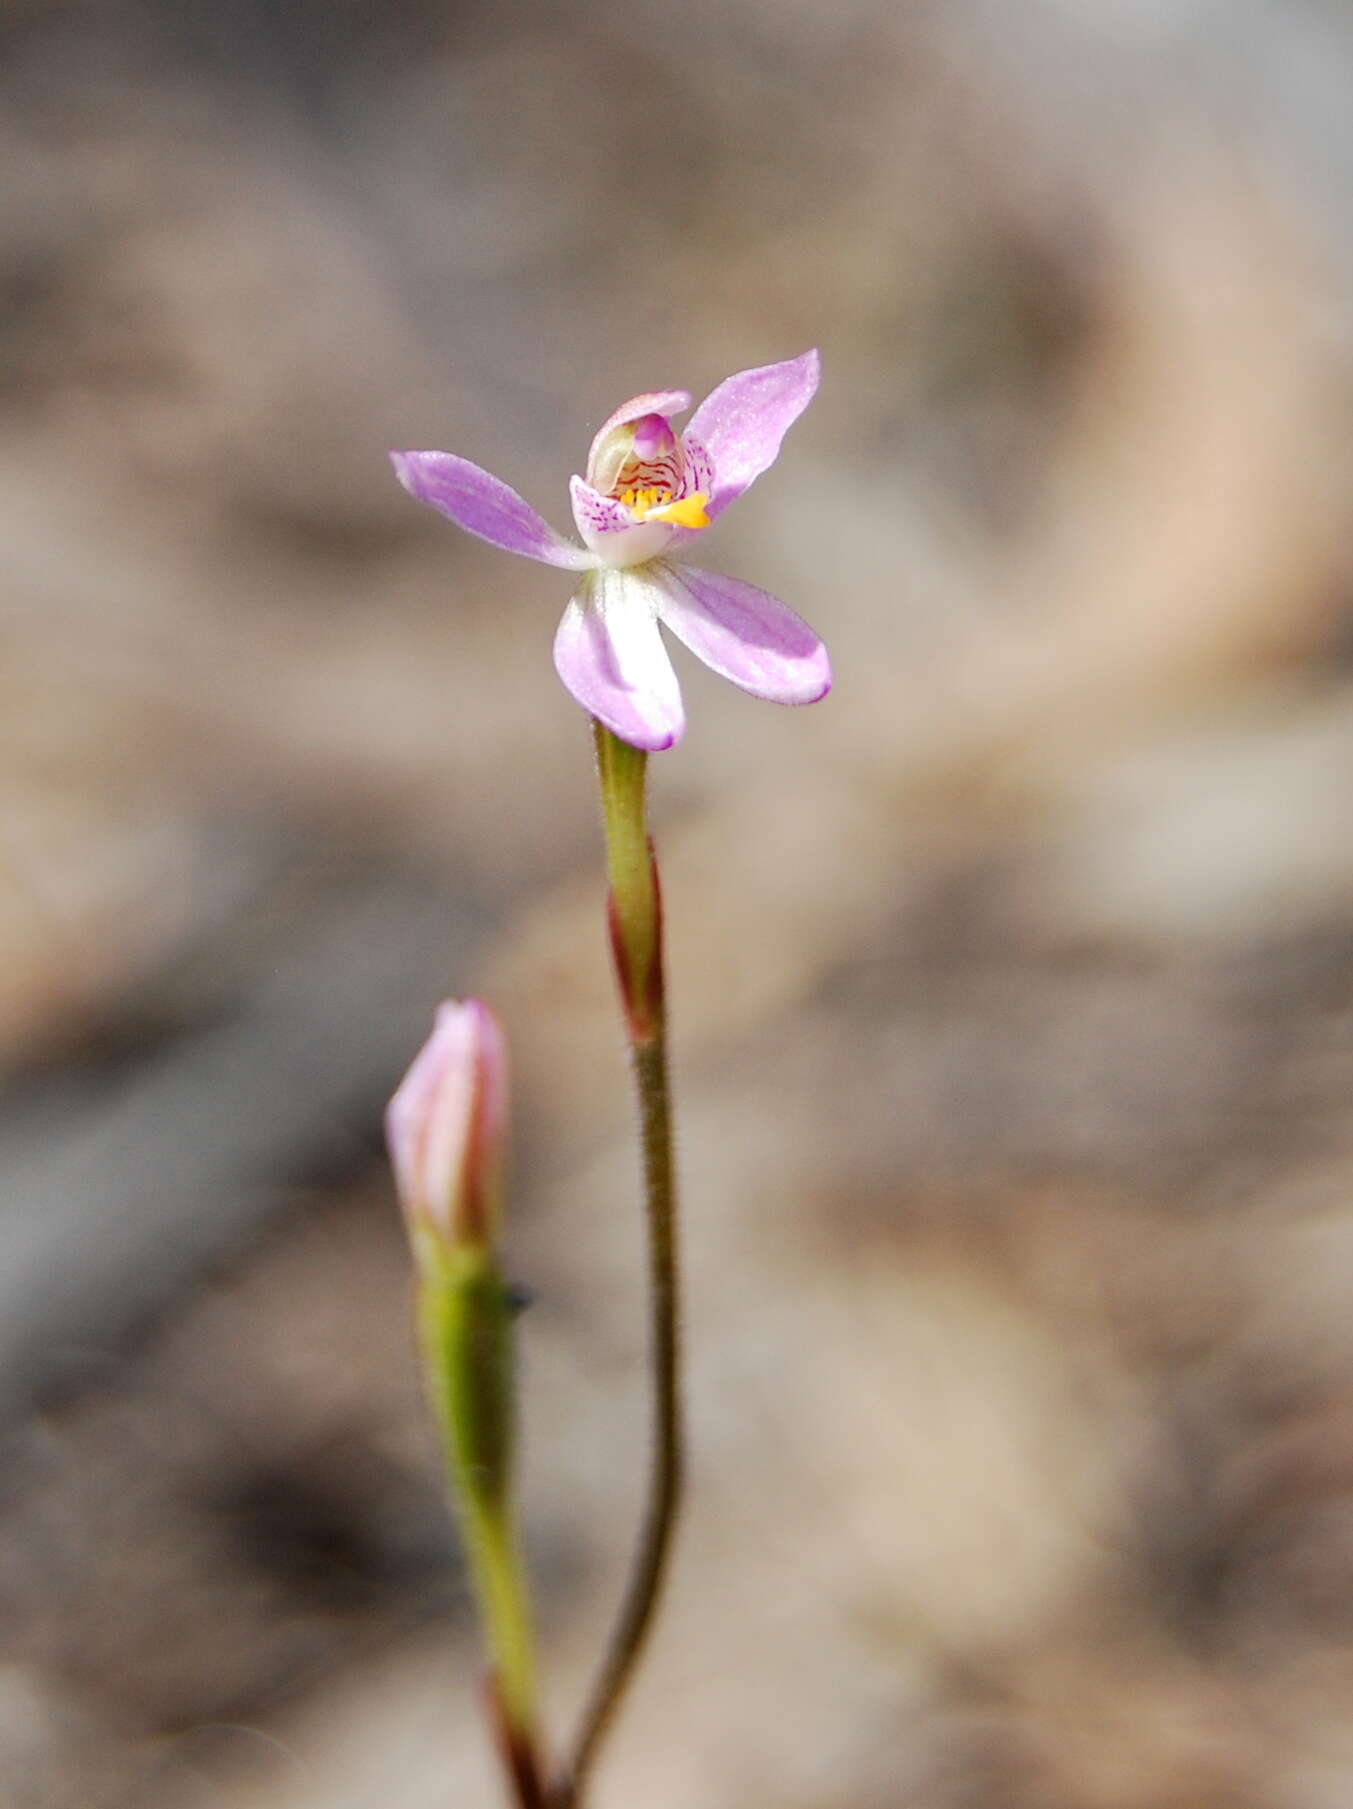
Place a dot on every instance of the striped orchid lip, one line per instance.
(648, 492)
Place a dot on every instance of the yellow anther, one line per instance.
(647, 502)
(689, 512)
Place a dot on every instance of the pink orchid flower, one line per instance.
(648, 493)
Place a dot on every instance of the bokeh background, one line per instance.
(1014, 984)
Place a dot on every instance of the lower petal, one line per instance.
(610, 655)
(744, 634)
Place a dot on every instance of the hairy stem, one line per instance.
(635, 908)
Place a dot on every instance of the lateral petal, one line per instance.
(744, 634)
(485, 506)
(744, 420)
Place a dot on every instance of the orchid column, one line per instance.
(648, 493)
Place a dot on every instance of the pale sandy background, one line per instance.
(1014, 985)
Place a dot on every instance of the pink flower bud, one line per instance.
(447, 1124)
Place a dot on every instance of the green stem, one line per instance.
(637, 945)
(499, 1583)
(634, 903)
(465, 1331)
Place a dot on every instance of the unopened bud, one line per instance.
(446, 1127)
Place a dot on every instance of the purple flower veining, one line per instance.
(649, 491)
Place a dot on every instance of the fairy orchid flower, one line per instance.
(649, 491)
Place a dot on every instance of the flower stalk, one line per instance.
(634, 899)
(635, 914)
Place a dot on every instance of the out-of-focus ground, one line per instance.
(1014, 985)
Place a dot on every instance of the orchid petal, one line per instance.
(744, 634)
(485, 506)
(610, 655)
(744, 420)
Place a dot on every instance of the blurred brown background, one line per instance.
(1014, 985)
